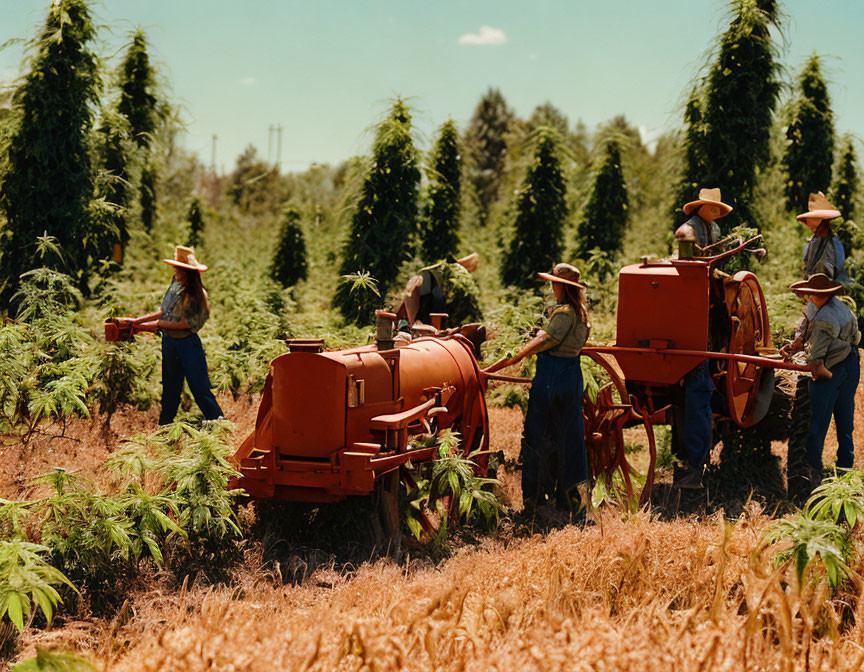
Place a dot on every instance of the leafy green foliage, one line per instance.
(486, 141)
(53, 661)
(289, 264)
(463, 295)
(385, 218)
(27, 580)
(196, 223)
(810, 132)
(541, 213)
(450, 486)
(808, 544)
(729, 112)
(845, 187)
(838, 498)
(48, 185)
(440, 236)
(605, 219)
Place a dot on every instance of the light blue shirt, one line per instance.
(828, 263)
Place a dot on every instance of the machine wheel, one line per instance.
(605, 420)
(388, 535)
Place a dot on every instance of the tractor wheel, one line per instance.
(797, 476)
(747, 466)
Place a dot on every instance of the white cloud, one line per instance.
(487, 35)
(247, 81)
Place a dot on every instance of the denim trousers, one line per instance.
(834, 397)
(696, 432)
(183, 359)
(554, 457)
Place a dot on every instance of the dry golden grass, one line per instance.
(636, 594)
(623, 595)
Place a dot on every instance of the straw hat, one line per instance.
(819, 208)
(564, 274)
(708, 197)
(818, 284)
(184, 257)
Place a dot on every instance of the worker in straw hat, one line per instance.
(695, 427)
(701, 230)
(554, 459)
(831, 344)
(824, 252)
(184, 310)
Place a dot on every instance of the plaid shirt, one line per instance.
(175, 308)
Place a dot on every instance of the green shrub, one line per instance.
(27, 582)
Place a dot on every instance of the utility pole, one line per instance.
(213, 155)
(278, 146)
(270, 143)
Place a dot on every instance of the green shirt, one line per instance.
(566, 331)
(832, 333)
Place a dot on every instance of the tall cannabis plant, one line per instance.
(289, 264)
(541, 212)
(486, 141)
(730, 111)
(49, 182)
(195, 220)
(441, 226)
(385, 218)
(605, 218)
(810, 133)
(845, 187)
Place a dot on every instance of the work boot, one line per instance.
(687, 478)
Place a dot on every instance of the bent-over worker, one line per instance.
(831, 344)
(554, 457)
(445, 287)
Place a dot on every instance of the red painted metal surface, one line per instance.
(662, 305)
(332, 423)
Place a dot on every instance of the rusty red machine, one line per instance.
(673, 314)
(332, 424)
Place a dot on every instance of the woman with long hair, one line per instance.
(554, 457)
(184, 310)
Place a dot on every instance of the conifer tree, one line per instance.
(441, 228)
(140, 105)
(49, 184)
(289, 260)
(810, 133)
(605, 219)
(846, 185)
(196, 223)
(385, 218)
(729, 112)
(487, 145)
(541, 212)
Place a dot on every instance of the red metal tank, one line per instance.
(331, 423)
(662, 305)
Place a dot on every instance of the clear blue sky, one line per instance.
(324, 69)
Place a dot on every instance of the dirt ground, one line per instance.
(627, 593)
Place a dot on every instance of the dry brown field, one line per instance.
(636, 592)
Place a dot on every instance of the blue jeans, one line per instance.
(696, 432)
(834, 397)
(183, 359)
(554, 458)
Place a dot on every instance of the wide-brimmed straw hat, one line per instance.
(184, 257)
(708, 197)
(819, 208)
(818, 284)
(564, 274)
